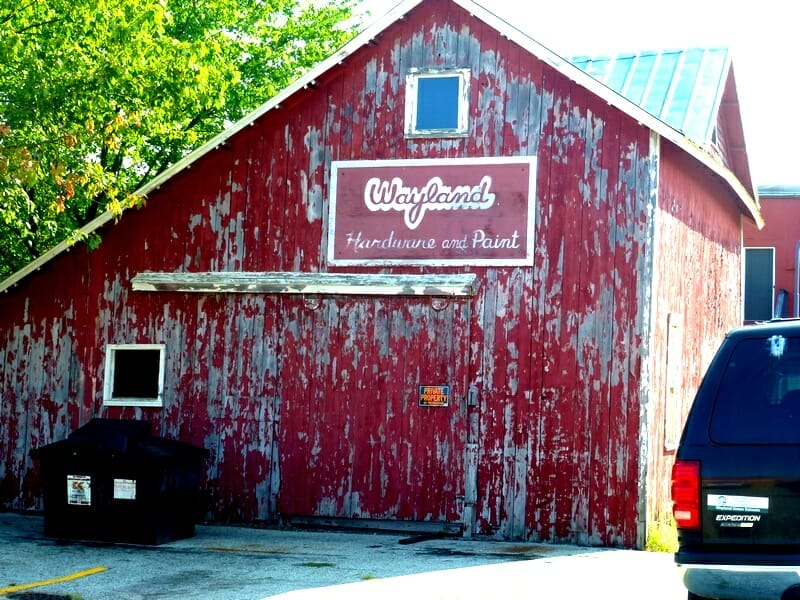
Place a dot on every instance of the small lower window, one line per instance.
(134, 375)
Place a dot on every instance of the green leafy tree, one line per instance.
(98, 96)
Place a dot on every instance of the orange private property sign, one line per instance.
(434, 395)
(468, 211)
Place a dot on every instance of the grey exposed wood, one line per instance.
(460, 284)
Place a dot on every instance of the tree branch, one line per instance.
(40, 25)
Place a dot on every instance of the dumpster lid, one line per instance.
(99, 428)
(122, 436)
(110, 434)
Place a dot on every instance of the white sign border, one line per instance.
(422, 162)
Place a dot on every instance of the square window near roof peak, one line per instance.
(436, 103)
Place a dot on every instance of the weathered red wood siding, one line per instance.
(781, 232)
(309, 407)
(697, 283)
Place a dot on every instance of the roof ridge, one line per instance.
(647, 52)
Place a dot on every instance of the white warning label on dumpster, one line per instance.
(124, 489)
(79, 490)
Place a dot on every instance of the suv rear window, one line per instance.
(758, 400)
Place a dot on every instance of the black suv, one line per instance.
(736, 479)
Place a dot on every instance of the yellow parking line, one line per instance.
(27, 586)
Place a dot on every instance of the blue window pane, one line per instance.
(437, 103)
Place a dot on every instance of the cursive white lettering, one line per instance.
(356, 241)
(383, 195)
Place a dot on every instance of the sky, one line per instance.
(763, 37)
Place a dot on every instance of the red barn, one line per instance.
(448, 278)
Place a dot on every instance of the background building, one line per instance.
(771, 256)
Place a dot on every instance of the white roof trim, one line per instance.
(544, 54)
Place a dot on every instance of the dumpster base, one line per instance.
(159, 529)
(112, 481)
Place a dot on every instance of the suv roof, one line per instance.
(759, 327)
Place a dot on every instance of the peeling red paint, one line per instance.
(309, 405)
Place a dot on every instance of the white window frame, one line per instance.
(462, 128)
(108, 384)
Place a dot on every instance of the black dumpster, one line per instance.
(112, 480)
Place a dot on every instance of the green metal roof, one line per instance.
(779, 191)
(683, 88)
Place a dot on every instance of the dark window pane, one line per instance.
(758, 401)
(136, 373)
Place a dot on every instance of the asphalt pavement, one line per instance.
(246, 563)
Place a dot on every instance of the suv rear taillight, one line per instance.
(686, 493)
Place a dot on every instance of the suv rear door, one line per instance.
(750, 466)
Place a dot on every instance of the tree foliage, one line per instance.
(98, 96)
